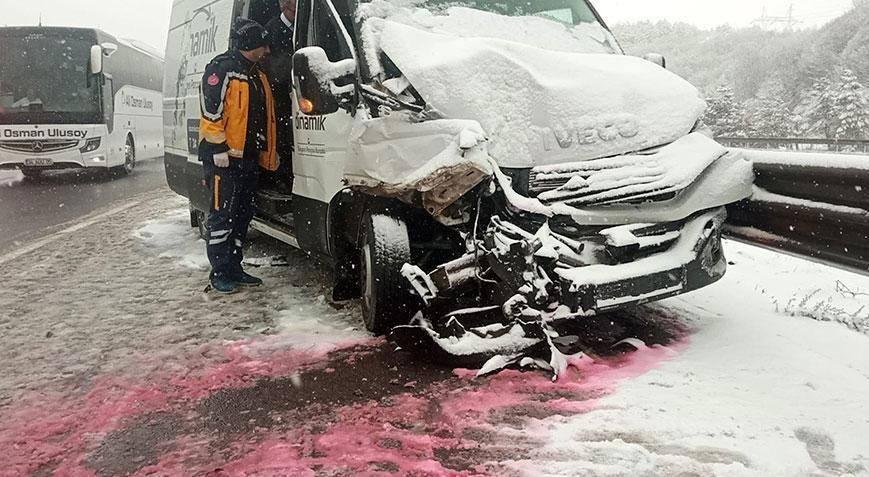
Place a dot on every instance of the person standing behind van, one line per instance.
(281, 29)
(237, 137)
(280, 68)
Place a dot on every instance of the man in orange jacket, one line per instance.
(237, 138)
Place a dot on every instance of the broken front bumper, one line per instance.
(526, 286)
(693, 260)
(518, 275)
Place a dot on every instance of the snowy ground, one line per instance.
(10, 177)
(754, 391)
(113, 362)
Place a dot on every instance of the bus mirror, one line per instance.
(323, 86)
(656, 58)
(96, 59)
(109, 49)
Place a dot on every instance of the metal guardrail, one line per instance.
(814, 211)
(796, 144)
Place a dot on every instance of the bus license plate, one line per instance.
(38, 162)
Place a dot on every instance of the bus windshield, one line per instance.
(46, 75)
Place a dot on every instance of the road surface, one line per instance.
(113, 362)
(31, 208)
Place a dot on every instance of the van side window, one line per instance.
(303, 20)
(318, 27)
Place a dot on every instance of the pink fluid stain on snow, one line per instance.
(56, 428)
(577, 391)
(407, 433)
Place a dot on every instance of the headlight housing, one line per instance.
(91, 145)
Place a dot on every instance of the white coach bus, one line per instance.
(77, 98)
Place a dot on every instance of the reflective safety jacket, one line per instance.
(225, 103)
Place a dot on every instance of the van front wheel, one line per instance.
(386, 301)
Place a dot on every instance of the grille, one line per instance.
(653, 175)
(605, 181)
(608, 245)
(37, 146)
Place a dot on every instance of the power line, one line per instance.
(771, 21)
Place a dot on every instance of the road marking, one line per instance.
(58, 235)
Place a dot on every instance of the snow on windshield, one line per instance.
(539, 106)
(542, 30)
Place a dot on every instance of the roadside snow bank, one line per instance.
(798, 287)
(763, 195)
(8, 178)
(173, 238)
(809, 159)
(755, 393)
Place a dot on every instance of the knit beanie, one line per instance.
(249, 35)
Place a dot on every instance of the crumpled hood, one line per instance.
(539, 106)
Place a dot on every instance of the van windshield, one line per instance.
(564, 25)
(571, 12)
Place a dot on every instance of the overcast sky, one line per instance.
(711, 13)
(147, 20)
(144, 20)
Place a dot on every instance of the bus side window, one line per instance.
(109, 103)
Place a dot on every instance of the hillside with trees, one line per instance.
(761, 83)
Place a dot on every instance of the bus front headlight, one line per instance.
(91, 145)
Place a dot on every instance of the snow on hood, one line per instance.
(540, 106)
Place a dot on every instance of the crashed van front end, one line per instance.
(581, 239)
(578, 183)
(554, 243)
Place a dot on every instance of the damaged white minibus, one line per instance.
(476, 166)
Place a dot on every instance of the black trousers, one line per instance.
(233, 205)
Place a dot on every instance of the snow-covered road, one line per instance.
(31, 208)
(113, 362)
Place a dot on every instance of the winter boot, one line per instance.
(244, 279)
(224, 285)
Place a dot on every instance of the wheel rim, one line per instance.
(129, 158)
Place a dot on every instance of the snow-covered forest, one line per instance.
(762, 83)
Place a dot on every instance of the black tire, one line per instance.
(129, 160)
(385, 248)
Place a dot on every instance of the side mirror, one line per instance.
(322, 86)
(96, 59)
(656, 58)
(109, 49)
